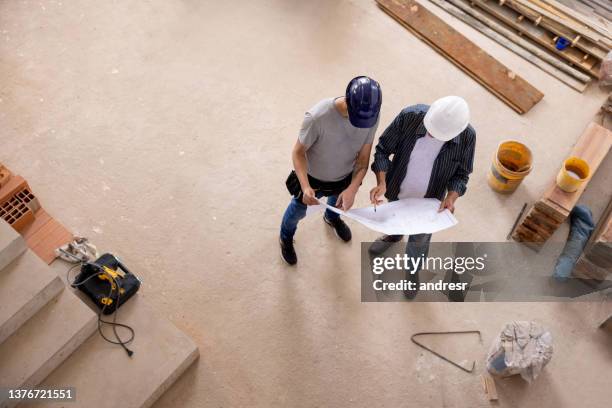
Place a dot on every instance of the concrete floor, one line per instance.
(162, 130)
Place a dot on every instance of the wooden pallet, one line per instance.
(497, 78)
(553, 208)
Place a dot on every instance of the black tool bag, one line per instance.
(328, 188)
(107, 288)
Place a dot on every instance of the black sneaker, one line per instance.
(342, 230)
(410, 277)
(288, 251)
(383, 243)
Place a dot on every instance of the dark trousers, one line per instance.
(417, 247)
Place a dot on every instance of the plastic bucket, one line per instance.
(573, 173)
(512, 162)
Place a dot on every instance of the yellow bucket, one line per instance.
(573, 173)
(512, 162)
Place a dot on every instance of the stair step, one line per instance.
(11, 244)
(44, 342)
(105, 377)
(26, 285)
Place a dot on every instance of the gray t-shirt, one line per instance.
(332, 143)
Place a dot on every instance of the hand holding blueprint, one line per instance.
(402, 217)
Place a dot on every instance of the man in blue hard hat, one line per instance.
(331, 158)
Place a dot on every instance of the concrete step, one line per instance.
(11, 244)
(40, 345)
(26, 285)
(105, 377)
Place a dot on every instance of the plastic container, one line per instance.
(573, 173)
(512, 162)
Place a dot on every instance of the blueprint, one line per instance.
(401, 217)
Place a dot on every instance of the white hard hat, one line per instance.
(447, 117)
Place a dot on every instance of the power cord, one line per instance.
(112, 323)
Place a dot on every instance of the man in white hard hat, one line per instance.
(433, 155)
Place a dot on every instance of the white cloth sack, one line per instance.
(522, 348)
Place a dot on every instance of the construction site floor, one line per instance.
(162, 130)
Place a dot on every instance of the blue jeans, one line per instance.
(297, 210)
(417, 247)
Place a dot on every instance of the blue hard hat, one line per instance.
(363, 98)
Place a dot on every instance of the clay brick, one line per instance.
(15, 183)
(5, 175)
(42, 233)
(45, 248)
(17, 214)
(40, 219)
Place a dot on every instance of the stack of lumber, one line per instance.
(553, 208)
(596, 260)
(531, 29)
(597, 11)
(494, 76)
(20, 208)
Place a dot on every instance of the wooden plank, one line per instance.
(593, 42)
(534, 23)
(597, 9)
(493, 23)
(542, 225)
(555, 205)
(592, 146)
(577, 58)
(602, 235)
(489, 386)
(525, 236)
(601, 3)
(515, 43)
(596, 260)
(606, 234)
(603, 231)
(566, 12)
(583, 37)
(552, 210)
(502, 82)
(532, 224)
(586, 269)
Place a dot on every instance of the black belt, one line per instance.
(328, 188)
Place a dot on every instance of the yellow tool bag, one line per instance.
(107, 282)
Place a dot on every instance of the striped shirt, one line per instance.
(451, 169)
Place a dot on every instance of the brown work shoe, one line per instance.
(383, 243)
